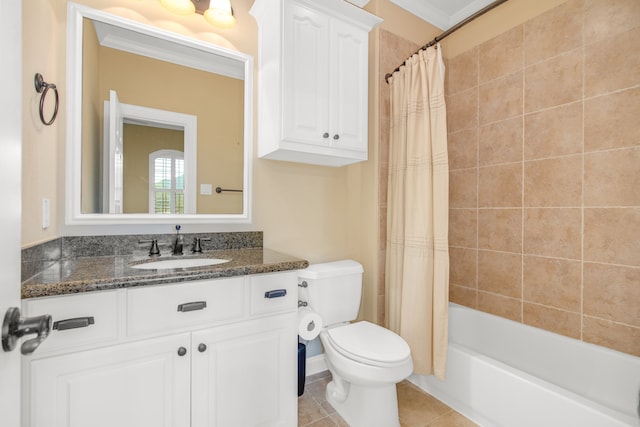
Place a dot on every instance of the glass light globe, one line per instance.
(220, 14)
(180, 7)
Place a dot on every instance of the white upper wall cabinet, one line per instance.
(313, 74)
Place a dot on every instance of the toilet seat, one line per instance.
(368, 343)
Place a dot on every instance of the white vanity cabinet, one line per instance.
(313, 80)
(242, 378)
(144, 383)
(227, 357)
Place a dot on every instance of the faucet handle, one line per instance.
(197, 247)
(154, 250)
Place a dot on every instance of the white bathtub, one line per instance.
(504, 373)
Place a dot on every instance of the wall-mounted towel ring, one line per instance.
(43, 87)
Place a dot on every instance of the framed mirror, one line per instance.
(159, 125)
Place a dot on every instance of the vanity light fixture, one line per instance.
(179, 7)
(220, 14)
(216, 12)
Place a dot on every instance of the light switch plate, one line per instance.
(206, 189)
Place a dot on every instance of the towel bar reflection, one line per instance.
(43, 87)
(220, 190)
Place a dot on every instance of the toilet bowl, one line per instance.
(365, 360)
(363, 388)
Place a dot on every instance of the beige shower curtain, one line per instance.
(417, 263)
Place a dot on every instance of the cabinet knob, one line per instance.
(325, 135)
(182, 351)
(202, 347)
(336, 136)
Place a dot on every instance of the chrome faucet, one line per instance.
(177, 245)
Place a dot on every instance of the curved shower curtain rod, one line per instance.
(449, 32)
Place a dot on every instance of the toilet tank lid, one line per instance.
(331, 269)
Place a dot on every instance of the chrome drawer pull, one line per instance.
(77, 322)
(276, 293)
(192, 306)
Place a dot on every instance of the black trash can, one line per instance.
(302, 367)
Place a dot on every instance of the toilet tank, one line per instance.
(333, 290)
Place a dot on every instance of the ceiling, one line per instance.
(442, 13)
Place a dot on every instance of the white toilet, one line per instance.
(365, 360)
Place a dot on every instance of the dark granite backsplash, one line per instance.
(37, 258)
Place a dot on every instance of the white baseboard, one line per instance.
(315, 365)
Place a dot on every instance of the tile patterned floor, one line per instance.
(416, 408)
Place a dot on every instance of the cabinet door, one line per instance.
(348, 86)
(142, 384)
(305, 76)
(247, 374)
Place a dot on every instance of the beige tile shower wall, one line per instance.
(544, 150)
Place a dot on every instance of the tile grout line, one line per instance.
(524, 82)
(477, 127)
(561, 156)
(430, 423)
(583, 182)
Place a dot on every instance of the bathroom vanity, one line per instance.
(206, 346)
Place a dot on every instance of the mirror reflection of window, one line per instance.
(166, 183)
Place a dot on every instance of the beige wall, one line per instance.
(544, 155)
(43, 146)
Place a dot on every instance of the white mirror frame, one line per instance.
(73, 214)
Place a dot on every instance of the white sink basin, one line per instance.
(179, 263)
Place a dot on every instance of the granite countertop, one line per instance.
(113, 272)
